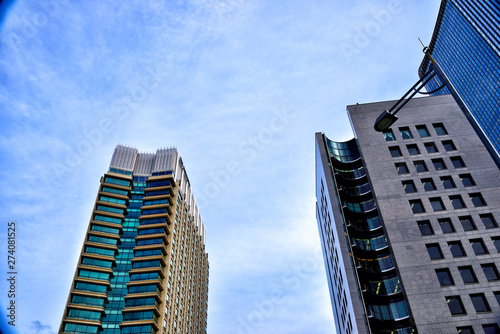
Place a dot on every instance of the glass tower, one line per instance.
(143, 268)
(408, 223)
(466, 43)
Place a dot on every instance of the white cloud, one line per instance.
(223, 70)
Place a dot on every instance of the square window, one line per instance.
(457, 202)
(444, 277)
(395, 151)
(457, 162)
(409, 187)
(497, 296)
(438, 164)
(416, 206)
(456, 248)
(389, 135)
(428, 184)
(447, 182)
(446, 225)
(467, 223)
(425, 227)
(478, 246)
(480, 303)
(430, 147)
(490, 271)
(440, 129)
(405, 132)
(448, 145)
(488, 220)
(468, 275)
(455, 305)
(422, 131)
(413, 149)
(437, 204)
(491, 329)
(402, 168)
(434, 251)
(467, 180)
(496, 242)
(420, 166)
(477, 199)
(465, 330)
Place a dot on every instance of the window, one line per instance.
(428, 184)
(447, 182)
(425, 227)
(448, 145)
(465, 330)
(480, 303)
(496, 242)
(490, 271)
(457, 202)
(478, 246)
(420, 166)
(430, 147)
(422, 131)
(402, 168)
(467, 180)
(488, 220)
(456, 248)
(477, 199)
(497, 296)
(434, 251)
(388, 135)
(440, 129)
(409, 187)
(446, 225)
(438, 164)
(416, 206)
(457, 162)
(395, 151)
(413, 149)
(467, 223)
(468, 275)
(444, 277)
(405, 132)
(455, 305)
(491, 329)
(437, 204)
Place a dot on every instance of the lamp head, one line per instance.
(384, 121)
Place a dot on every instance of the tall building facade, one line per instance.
(143, 268)
(466, 43)
(408, 223)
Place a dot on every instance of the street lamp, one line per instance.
(388, 117)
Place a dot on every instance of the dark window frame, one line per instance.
(455, 246)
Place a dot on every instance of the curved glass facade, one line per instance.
(384, 302)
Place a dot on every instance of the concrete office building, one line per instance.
(408, 223)
(466, 43)
(143, 268)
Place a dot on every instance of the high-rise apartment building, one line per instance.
(466, 43)
(408, 223)
(143, 268)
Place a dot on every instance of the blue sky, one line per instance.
(239, 87)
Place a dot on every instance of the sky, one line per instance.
(243, 83)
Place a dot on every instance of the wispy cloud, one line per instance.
(39, 328)
(207, 76)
